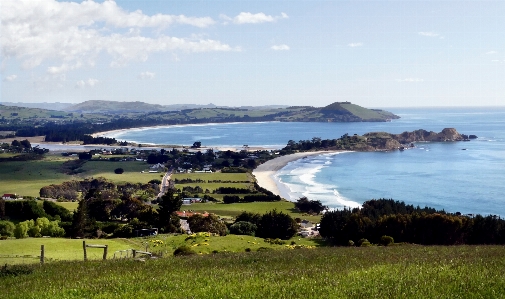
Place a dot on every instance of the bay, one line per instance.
(466, 177)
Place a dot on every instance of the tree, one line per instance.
(2, 208)
(169, 203)
(54, 210)
(21, 230)
(16, 143)
(253, 218)
(118, 170)
(276, 225)
(7, 228)
(243, 228)
(197, 144)
(85, 156)
(81, 223)
(25, 143)
(212, 224)
(309, 206)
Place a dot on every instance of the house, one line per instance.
(9, 196)
(305, 224)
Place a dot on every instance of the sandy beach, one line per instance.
(265, 172)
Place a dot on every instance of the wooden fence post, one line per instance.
(42, 254)
(84, 248)
(134, 252)
(105, 252)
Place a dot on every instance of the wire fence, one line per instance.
(88, 252)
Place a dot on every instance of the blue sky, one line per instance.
(372, 53)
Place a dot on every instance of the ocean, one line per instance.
(466, 177)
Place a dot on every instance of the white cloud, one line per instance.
(10, 78)
(86, 83)
(430, 34)
(75, 34)
(353, 45)
(410, 80)
(249, 18)
(280, 47)
(492, 52)
(146, 75)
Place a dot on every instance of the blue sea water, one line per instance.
(466, 177)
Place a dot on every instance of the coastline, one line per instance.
(265, 172)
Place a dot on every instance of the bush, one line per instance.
(7, 228)
(243, 228)
(387, 240)
(350, 243)
(184, 250)
(361, 241)
(118, 170)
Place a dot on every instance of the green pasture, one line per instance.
(132, 171)
(329, 272)
(234, 209)
(25, 251)
(69, 205)
(236, 177)
(27, 177)
(213, 176)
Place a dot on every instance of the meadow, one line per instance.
(27, 177)
(27, 251)
(234, 209)
(330, 272)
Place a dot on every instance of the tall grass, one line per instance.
(373, 272)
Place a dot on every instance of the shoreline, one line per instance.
(265, 172)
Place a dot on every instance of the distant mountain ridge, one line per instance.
(114, 107)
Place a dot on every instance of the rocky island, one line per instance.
(377, 141)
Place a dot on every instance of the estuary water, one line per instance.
(466, 177)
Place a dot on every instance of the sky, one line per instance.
(378, 53)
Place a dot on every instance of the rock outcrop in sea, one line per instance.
(388, 141)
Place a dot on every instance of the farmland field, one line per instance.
(233, 210)
(332, 272)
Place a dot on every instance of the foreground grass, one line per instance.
(374, 272)
(27, 251)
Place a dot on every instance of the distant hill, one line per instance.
(339, 112)
(114, 107)
(52, 106)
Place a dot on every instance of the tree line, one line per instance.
(406, 223)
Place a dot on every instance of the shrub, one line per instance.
(350, 243)
(248, 249)
(118, 170)
(387, 240)
(184, 250)
(365, 244)
(360, 242)
(243, 228)
(7, 228)
(21, 230)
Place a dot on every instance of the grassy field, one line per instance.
(27, 251)
(216, 176)
(27, 177)
(71, 206)
(132, 171)
(373, 272)
(232, 210)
